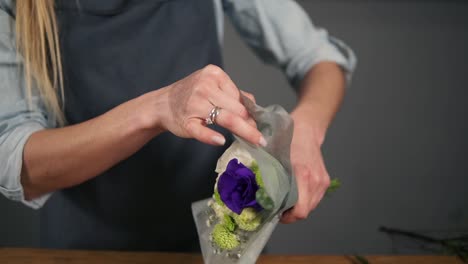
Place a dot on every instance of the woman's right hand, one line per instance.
(182, 108)
(59, 158)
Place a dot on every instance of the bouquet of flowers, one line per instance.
(240, 201)
(253, 188)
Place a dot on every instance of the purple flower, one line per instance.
(237, 187)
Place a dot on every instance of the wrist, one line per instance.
(306, 120)
(147, 112)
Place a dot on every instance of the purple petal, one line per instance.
(245, 173)
(233, 165)
(226, 183)
(252, 203)
(237, 187)
(235, 206)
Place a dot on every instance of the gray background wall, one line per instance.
(399, 142)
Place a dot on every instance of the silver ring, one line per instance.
(211, 119)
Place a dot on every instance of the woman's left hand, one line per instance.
(308, 166)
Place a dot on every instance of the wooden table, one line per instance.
(42, 256)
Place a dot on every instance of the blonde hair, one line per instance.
(38, 42)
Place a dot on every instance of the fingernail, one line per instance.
(219, 140)
(262, 142)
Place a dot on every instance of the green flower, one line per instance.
(217, 197)
(220, 210)
(224, 238)
(248, 220)
(258, 175)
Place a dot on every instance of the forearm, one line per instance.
(320, 96)
(58, 158)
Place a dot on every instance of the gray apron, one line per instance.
(113, 51)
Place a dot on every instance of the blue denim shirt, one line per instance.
(278, 31)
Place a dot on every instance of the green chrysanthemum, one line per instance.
(220, 210)
(258, 175)
(248, 220)
(224, 238)
(217, 197)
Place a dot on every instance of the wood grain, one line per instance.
(43, 256)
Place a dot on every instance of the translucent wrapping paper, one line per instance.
(278, 182)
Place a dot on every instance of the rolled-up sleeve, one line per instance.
(281, 33)
(18, 117)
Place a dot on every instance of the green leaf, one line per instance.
(264, 200)
(334, 185)
(229, 223)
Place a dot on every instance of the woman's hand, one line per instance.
(307, 162)
(63, 157)
(320, 96)
(183, 107)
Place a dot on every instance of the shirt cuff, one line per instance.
(335, 51)
(11, 150)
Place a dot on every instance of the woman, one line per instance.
(112, 110)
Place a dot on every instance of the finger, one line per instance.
(229, 87)
(240, 127)
(223, 80)
(316, 200)
(300, 211)
(225, 101)
(202, 109)
(319, 191)
(250, 96)
(199, 108)
(204, 134)
(251, 121)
